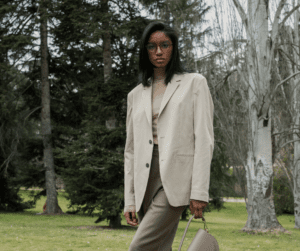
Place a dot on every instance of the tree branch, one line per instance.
(291, 141)
(225, 78)
(275, 28)
(288, 15)
(238, 69)
(242, 14)
(282, 82)
(276, 19)
(296, 128)
(291, 183)
(281, 50)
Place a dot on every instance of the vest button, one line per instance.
(147, 165)
(150, 141)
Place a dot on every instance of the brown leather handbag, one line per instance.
(203, 241)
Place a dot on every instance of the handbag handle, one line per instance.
(205, 227)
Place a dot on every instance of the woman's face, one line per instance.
(159, 49)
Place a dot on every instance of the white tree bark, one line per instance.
(259, 171)
(296, 167)
(296, 122)
(296, 175)
(292, 55)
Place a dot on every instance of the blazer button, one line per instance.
(147, 165)
(150, 141)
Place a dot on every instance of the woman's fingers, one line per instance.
(134, 219)
(127, 217)
(132, 222)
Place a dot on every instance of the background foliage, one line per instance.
(88, 156)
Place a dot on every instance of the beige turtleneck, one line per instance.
(158, 90)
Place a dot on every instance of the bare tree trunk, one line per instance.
(295, 114)
(52, 203)
(296, 122)
(292, 37)
(296, 173)
(115, 222)
(106, 44)
(107, 61)
(259, 171)
(288, 38)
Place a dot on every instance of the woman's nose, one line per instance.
(158, 51)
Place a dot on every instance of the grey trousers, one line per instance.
(158, 220)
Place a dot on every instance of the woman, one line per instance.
(169, 142)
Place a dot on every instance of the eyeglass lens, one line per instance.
(163, 46)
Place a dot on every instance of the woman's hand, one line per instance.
(196, 207)
(131, 218)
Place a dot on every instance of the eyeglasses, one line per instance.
(163, 46)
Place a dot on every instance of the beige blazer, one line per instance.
(185, 138)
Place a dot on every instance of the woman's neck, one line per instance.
(159, 73)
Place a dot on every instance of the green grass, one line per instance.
(28, 231)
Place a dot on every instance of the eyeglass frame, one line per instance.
(160, 46)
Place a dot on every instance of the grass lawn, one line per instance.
(28, 231)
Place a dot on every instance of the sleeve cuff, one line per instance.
(130, 208)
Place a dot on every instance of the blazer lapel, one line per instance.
(147, 96)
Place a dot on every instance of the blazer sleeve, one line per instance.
(204, 139)
(129, 196)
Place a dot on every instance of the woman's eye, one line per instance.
(151, 47)
(165, 46)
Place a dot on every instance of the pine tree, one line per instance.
(91, 163)
(15, 121)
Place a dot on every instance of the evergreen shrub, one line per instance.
(93, 174)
